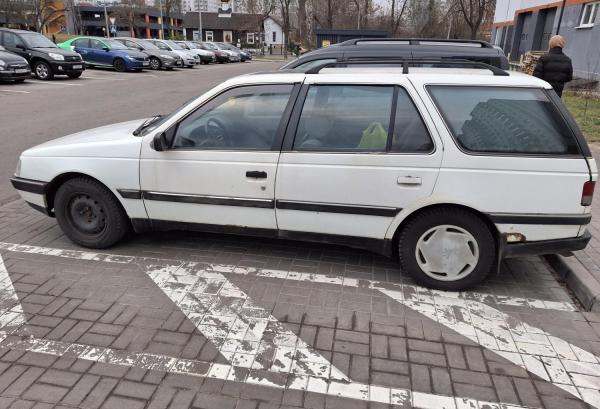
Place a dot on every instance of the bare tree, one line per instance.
(474, 13)
(302, 23)
(131, 11)
(396, 13)
(285, 13)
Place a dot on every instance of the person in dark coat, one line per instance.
(555, 67)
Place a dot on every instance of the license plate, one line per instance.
(21, 70)
(145, 63)
(77, 67)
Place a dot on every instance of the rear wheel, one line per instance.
(447, 249)
(155, 63)
(43, 71)
(89, 214)
(119, 65)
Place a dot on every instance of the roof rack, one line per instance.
(418, 41)
(404, 62)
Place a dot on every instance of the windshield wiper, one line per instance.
(146, 124)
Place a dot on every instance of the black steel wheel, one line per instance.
(119, 65)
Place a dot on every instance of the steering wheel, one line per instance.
(215, 133)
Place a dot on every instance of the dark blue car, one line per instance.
(106, 52)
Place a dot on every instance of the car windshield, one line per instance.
(115, 45)
(173, 45)
(183, 45)
(191, 46)
(210, 46)
(147, 45)
(35, 40)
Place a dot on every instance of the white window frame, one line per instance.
(250, 38)
(593, 14)
(209, 35)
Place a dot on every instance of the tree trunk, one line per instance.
(302, 26)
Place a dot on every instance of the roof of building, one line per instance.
(212, 21)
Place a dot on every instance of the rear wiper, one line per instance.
(145, 124)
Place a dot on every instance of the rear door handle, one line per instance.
(256, 174)
(409, 180)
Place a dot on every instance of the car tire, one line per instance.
(89, 214)
(119, 65)
(43, 71)
(20, 81)
(430, 243)
(74, 75)
(155, 63)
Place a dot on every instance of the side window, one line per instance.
(162, 46)
(82, 42)
(245, 118)
(12, 40)
(131, 44)
(504, 120)
(345, 118)
(96, 44)
(410, 134)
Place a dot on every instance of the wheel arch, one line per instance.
(407, 218)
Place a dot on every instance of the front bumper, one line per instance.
(11, 75)
(542, 247)
(67, 67)
(33, 192)
(170, 62)
(136, 64)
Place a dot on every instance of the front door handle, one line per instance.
(256, 174)
(409, 180)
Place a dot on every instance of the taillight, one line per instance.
(587, 194)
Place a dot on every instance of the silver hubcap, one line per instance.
(41, 70)
(447, 253)
(154, 63)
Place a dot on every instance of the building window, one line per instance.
(588, 17)
(274, 36)
(209, 36)
(250, 38)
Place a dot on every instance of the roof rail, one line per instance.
(405, 62)
(417, 41)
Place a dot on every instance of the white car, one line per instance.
(189, 59)
(450, 170)
(205, 56)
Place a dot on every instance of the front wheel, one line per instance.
(119, 65)
(43, 71)
(89, 214)
(155, 63)
(447, 249)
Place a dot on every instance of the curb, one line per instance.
(578, 279)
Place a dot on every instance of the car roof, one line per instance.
(15, 30)
(390, 75)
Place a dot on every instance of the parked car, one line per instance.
(449, 169)
(189, 59)
(244, 55)
(206, 57)
(13, 68)
(106, 52)
(158, 58)
(221, 56)
(234, 56)
(44, 57)
(409, 48)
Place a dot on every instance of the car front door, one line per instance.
(353, 158)
(99, 53)
(221, 166)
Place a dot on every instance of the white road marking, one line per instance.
(229, 372)
(15, 91)
(69, 84)
(102, 78)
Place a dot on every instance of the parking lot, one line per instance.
(180, 320)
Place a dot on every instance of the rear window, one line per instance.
(504, 120)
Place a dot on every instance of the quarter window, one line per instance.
(504, 120)
(588, 17)
(245, 118)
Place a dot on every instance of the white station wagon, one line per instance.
(448, 169)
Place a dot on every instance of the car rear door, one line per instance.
(355, 155)
(82, 46)
(221, 168)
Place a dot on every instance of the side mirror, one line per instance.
(160, 142)
(20, 46)
(105, 48)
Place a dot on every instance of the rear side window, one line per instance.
(82, 42)
(504, 120)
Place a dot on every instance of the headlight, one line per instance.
(55, 56)
(2, 65)
(168, 57)
(18, 170)
(130, 58)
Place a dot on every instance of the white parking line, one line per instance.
(69, 84)
(86, 77)
(15, 91)
(12, 319)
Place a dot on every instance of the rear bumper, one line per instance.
(542, 247)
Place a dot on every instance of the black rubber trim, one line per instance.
(345, 209)
(383, 247)
(130, 193)
(537, 248)
(41, 209)
(209, 200)
(546, 219)
(29, 185)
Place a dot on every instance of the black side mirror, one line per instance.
(160, 142)
(20, 46)
(105, 48)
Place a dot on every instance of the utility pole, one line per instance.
(560, 17)
(200, 37)
(106, 20)
(162, 26)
